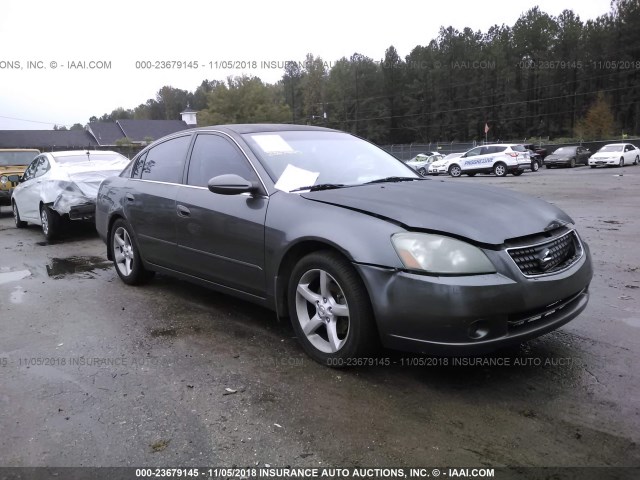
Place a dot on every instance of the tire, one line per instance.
(16, 216)
(422, 171)
(500, 169)
(636, 160)
(535, 166)
(472, 174)
(50, 220)
(126, 257)
(621, 164)
(572, 163)
(517, 173)
(455, 171)
(328, 338)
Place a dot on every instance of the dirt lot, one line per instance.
(96, 373)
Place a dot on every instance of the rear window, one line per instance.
(566, 150)
(17, 158)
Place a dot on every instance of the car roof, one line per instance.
(263, 127)
(71, 153)
(19, 150)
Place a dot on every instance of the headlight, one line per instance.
(440, 254)
(3, 180)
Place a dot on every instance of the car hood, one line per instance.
(12, 169)
(606, 154)
(481, 214)
(560, 156)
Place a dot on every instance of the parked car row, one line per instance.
(501, 159)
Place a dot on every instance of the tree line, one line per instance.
(545, 76)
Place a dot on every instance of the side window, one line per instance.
(165, 162)
(496, 149)
(214, 155)
(474, 152)
(30, 172)
(136, 169)
(42, 167)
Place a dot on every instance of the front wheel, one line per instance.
(572, 163)
(535, 166)
(636, 160)
(621, 164)
(330, 309)
(422, 171)
(50, 221)
(126, 257)
(16, 216)
(455, 171)
(500, 170)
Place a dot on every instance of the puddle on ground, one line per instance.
(60, 267)
(6, 277)
(17, 296)
(633, 322)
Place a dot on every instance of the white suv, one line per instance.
(497, 158)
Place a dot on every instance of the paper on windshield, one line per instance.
(273, 144)
(294, 177)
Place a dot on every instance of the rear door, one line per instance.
(150, 199)
(221, 237)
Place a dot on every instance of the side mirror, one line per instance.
(231, 184)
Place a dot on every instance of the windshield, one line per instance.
(611, 148)
(316, 157)
(104, 157)
(16, 158)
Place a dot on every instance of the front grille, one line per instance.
(548, 257)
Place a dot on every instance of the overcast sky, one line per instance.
(123, 32)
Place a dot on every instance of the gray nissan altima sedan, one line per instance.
(345, 240)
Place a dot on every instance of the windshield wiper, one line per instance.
(393, 179)
(320, 186)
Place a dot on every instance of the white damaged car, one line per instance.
(442, 165)
(62, 185)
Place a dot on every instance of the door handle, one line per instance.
(183, 211)
(129, 198)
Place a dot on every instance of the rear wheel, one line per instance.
(455, 171)
(126, 257)
(330, 309)
(50, 220)
(16, 216)
(500, 169)
(535, 166)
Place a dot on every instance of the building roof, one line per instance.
(142, 130)
(105, 133)
(188, 110)
(46, 139)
